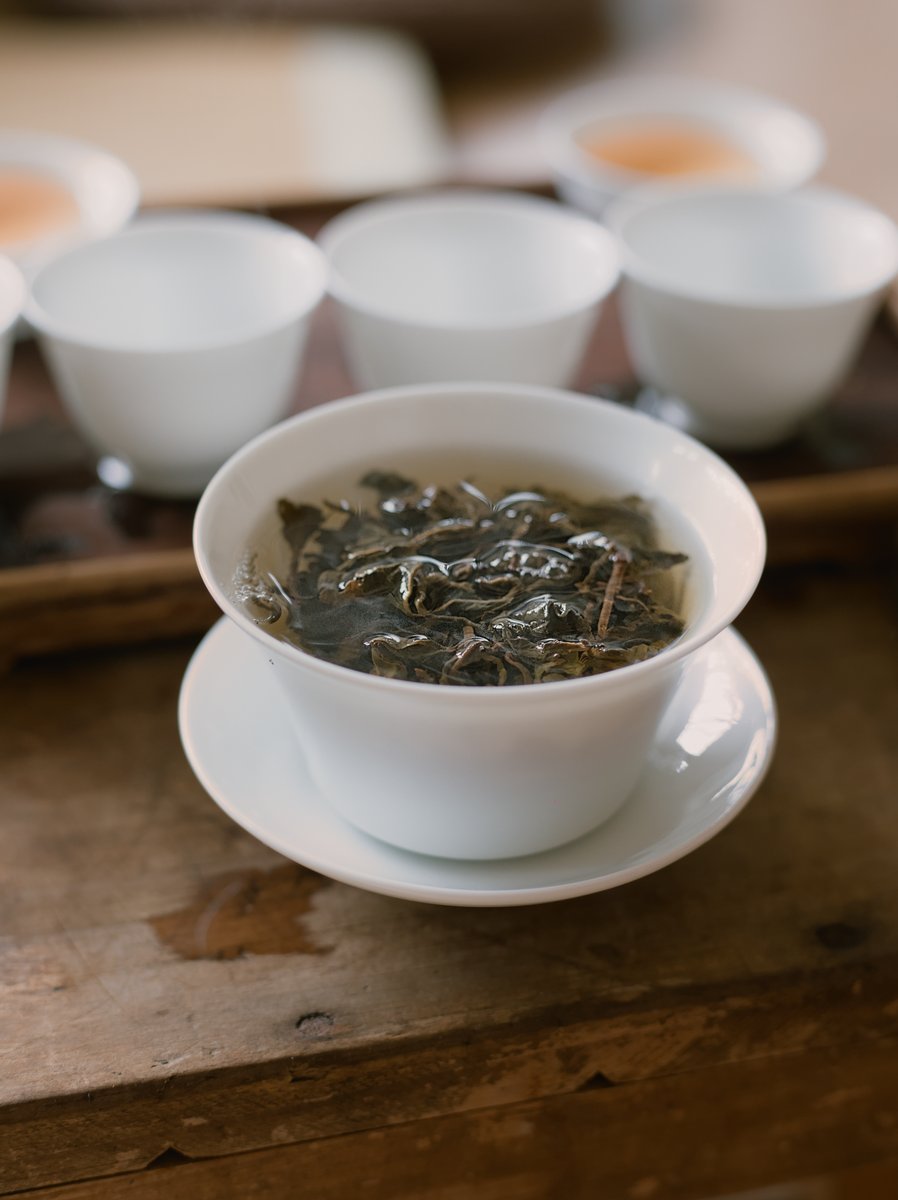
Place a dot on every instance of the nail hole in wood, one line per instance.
(595, 1081)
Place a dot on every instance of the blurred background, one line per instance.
(268, 102)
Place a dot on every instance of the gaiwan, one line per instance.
(463, 586)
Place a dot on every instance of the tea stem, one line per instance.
(611, 591)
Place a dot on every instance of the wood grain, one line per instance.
(184, 1013)
(853, 497)
(680, 1138)
(168, 981)
(100, 602)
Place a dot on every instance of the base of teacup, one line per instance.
(185, 483)
(748, 434)
(488, 846)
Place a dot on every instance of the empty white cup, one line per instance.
(466, 285)
(177, 340)
(745, 310)
(12, 297)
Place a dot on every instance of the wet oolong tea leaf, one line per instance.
(445, 585)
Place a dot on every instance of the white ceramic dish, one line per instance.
(787, 148)
(411, 762)
(708, 758)
(104, 189)
(745, 310)
(12, 297)
(466, 285)
(176, 341)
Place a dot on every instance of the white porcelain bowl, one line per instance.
(746, 310)
(485, 772)
(104, 189)
(177, 340)
(12, 297)
(787, 148)
(466, 285)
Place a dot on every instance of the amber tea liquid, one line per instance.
(33, 205)
(669, 149)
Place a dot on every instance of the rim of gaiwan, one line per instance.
(680, 445)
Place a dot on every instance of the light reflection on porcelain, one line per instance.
(716, 714)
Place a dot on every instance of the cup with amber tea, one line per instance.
(476, 601)
(57, 192)
(602, 140)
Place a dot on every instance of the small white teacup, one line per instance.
(467, 285)
(101, 190)
(753, 138)
(745, 310)
(177, 340)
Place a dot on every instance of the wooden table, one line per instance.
(173, 994)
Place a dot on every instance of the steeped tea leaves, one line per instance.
(445, 585)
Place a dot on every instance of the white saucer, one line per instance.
(709, 757)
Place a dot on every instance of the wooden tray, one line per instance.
(81, 565)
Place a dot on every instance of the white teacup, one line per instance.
(481, 772)
(104, 191)
(745, 310)
(466, 285)
(12, 297)
(781, 148)
(177, 340)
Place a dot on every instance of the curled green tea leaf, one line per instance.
(445, 585)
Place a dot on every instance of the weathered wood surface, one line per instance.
(662, 1139)
(100, 602)
(169, 987)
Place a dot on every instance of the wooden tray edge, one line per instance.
(155, 595)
